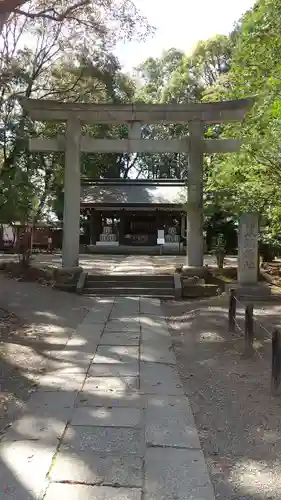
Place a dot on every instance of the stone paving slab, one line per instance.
(90, 331)
(176, 474)
(36, 428)
(114, 370)
(170, 426)
(89, 468)
(94, 385)
(160, 354)
(83, 345)
(120, 325)
(52, 404)
(120, 338)
(150, 306)
(156, 378)
(59, 380)
(114, 400)
(130, 431)
(71, 357)
(94, 318)
(81, 492)
(116, 354)
(107, 417)
(124, 307)
(156, 332)
(23, 469)
(114, 440)
(163, 401)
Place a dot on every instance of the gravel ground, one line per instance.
(239, 422)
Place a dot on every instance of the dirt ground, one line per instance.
(239, 422)
(17, 357)
(39, 321)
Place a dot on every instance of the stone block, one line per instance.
(123, 338)
(171, 426)
(89, 468)
(177, 286)
(106, 385)
(191, 272)
(176, 474)
(116, 354)
(81, 282)
(156, 378)
(199, 291)
(113, 440)
(68, 276)
(114, 370)
(115, 400)
(261, 291)
(107, 417)
(82, 492)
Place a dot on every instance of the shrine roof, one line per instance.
(137, 192)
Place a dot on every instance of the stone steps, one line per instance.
(130, 285)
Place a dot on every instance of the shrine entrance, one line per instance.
(135, 116)
(140, 229)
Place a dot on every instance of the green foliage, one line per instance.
(58, 50)
(71, 58)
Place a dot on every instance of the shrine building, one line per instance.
(118, 212)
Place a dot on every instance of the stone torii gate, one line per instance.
(134, 115)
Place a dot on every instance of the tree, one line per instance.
(115, 17)
(57, 65)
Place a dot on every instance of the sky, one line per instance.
(180, 24)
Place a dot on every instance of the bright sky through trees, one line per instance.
(180, 24)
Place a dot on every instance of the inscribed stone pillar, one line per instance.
(71, 212)
(194, 234)
(248, 249)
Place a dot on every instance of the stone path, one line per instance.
(133, 264)
(111, 421)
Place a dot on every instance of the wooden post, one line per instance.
(249, 330)
(276, 364)
(232, 311)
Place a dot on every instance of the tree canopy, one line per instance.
(71, 58)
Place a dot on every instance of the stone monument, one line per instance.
(248, 254)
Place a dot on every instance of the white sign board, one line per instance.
(160, 237)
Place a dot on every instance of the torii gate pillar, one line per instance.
(195, 239)
(71, 212)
